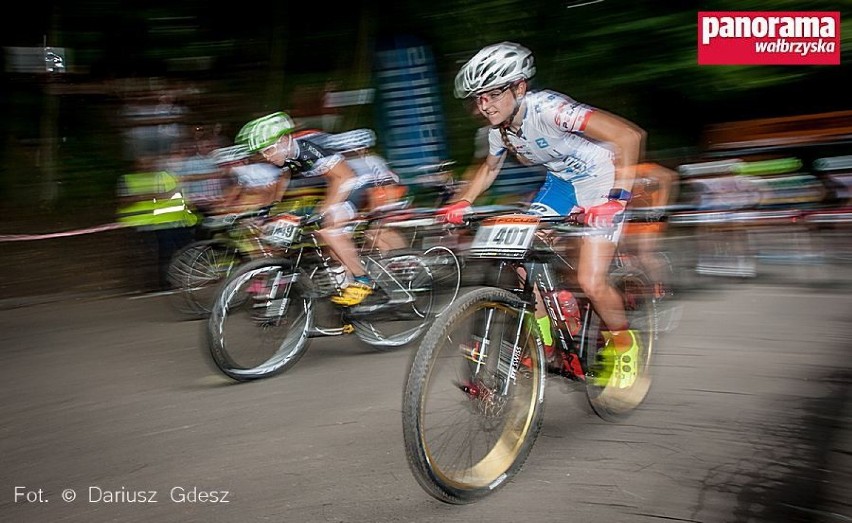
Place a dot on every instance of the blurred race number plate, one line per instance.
(504, 236)
(282, 230)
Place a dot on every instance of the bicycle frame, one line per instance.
(307, 243)
(539, 267)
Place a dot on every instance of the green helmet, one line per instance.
(265, 131)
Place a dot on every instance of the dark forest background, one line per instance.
(636, 59)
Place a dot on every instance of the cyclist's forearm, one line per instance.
(281, 186)
(629, 152)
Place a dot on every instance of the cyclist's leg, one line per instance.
(593, 269)
(385, 239)
(339, 241)
(660, 185)
(593, 276)
(555, 198)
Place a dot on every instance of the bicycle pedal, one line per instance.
(348, 329)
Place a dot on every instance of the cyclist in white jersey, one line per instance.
(590, 155)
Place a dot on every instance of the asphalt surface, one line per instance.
(114, 399)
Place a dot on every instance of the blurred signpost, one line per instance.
(409, 102)
(35, 60)
(347, 98)
(47, 61)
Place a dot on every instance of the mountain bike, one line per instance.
(196, 269)
(268, 310)
(231, 240)
(474, 396)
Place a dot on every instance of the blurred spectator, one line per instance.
(218, 138)
(200, 179)
(155, 122)
(171, 127)
(149, 200)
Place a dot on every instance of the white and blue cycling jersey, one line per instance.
(580, 170)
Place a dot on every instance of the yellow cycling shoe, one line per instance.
(617, 367)
(353, 294)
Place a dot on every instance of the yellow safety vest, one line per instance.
(164, 206)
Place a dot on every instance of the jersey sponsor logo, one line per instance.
(558, 118)
(566, 115)
(573, 166)
(576, 165)
(311, 149)
(769, 38)
(542, 143)
(522, 150)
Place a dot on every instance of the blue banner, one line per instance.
(408, 99)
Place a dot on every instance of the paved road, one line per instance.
(113, 398)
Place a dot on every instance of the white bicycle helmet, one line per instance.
(494, 66)
(351, 140)
(230, 154)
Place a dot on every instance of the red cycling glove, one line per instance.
(604, 214)
(454, 213)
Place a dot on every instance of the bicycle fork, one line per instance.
(510, 351)
(508, 359)
(268, 300)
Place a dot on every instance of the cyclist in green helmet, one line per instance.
(300, 154)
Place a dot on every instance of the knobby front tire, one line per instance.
(467, 427)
